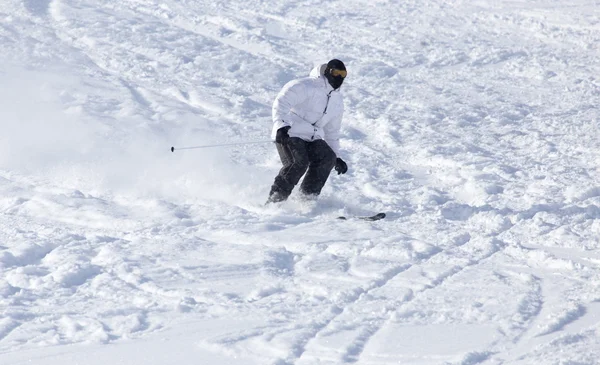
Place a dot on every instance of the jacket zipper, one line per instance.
(324, 112)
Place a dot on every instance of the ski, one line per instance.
(375, 217)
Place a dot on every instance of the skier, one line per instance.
(307, 116)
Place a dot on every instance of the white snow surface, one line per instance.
(472, 124)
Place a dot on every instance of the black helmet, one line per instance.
(335, 72)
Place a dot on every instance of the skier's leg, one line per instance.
(294, 157)
(322, 160)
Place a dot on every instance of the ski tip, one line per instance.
(172, 149)
(375, 217)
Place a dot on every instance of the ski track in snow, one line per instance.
(473, 125)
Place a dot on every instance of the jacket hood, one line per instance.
(317, 71)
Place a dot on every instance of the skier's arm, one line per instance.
(332, 133)
(291, 94)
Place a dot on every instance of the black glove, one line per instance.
(340, 166)
(282, 136)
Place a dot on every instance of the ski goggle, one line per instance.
(335, 72)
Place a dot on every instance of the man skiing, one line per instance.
(307, 117)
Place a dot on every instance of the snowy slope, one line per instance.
(472, 124)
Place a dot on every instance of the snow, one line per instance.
(471, 124)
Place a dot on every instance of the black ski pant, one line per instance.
(298, 157)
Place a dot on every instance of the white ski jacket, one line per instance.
(312, 108)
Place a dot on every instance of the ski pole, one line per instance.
(218, 145)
